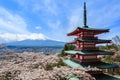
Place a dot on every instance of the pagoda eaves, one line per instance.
(96, 41)
(94, 30)
(85, 52)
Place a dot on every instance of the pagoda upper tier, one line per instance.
(94, 31)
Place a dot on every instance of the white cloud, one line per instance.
(75, 19)
(38, 27)
(51, 6)
(10, 22)
(14, 28)
(18, 37)
(105, 16)
(66, 14)
(54, 25)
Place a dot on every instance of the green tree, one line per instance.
(108, 47)
(108, 59)
(67, 47)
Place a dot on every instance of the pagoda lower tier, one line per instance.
(98, 64)
(90, 67)
(93, 68)
(83, 65)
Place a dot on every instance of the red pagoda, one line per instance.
(86, 54)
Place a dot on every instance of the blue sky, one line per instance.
(53, 19)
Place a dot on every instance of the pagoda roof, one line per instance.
(104, 77)
(86, 52)
(96, 31)
(90, 40)
(73, 64)
(98, 64)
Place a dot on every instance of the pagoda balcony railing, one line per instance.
(88, 48)
(93, 38)
(90, 37)
(85, 60)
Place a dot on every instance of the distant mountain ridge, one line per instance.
(36, 43)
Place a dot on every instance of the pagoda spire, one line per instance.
(85, 16)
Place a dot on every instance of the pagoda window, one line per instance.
(89, 33)
(81, 45)
(79, 35)
(77, 56)
(89, 46)
(78, 30)
(89, 43)
(90, 57)
(81, 57)
(78, 42)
